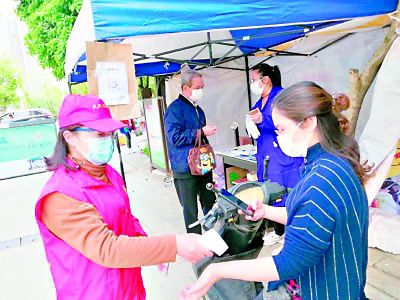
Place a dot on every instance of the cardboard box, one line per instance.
(98, 52)
(233, 174)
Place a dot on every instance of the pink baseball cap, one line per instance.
(89, 111)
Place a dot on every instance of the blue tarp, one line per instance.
(127, 18)
(146, 69)
(272, 36)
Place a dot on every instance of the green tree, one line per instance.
(49, 25)
(50, 98)
(10, 81)
(144, 83)
(81, 88)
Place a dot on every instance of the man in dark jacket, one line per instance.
(182, 120)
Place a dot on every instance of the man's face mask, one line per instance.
(197, 94)
(289, 147)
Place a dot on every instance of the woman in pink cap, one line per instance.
(94, 245)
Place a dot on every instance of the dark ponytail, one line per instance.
(273, 73)
(307, 99)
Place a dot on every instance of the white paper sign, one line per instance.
(112, 82)
(214, 242)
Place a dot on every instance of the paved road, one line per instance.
(24, 272)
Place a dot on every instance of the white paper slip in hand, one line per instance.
(163, 269)
(214, 242)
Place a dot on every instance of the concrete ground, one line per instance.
(24, 272)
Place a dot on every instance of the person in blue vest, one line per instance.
(183, 118)
(325, 253)
(283, 169)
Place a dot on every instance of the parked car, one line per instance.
(25, 115)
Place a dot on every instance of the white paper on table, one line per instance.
(214, 242)
(246, 150)
(112, 82)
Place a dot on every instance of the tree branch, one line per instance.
(360, 83)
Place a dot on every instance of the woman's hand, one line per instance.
(367, 166)
(201, 286)
(255, 116)
(258, 209)
(260, 269)
(189, 247)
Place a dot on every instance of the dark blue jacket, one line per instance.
(182, 120)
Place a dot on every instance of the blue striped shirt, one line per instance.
(326, 242)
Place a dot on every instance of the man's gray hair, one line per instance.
(187, 75)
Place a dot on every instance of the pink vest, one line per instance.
(74, 275)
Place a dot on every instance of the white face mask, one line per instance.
(256, 89)
(289, 147)
(100, 150)
(197, 95)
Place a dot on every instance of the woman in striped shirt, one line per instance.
(326, 215)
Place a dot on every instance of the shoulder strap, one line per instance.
(204, 139)
(198, 138)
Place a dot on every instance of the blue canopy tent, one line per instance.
(248, 41)
(226, 34)
(165, 34)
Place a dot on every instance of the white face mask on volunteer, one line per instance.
(99, 149)
(256, 89)
(289, 147)
(197, 94)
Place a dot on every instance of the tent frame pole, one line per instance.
(209, 43)
(233, 45)
(228, 68)
(144, 57)
(225, 58)
(255, 37)
(198, 52)
(182, 48)
(236, 46)
(246, 61)
(330, 44)
(121, 163)
(267, 49)
(217, 66)
(222, 42)
(282, 53)
(69, 84)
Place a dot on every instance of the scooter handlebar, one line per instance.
(210, 187)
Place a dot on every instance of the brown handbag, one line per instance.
(201, 158)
